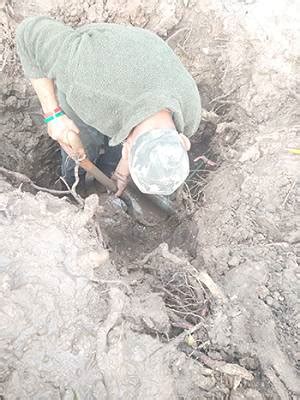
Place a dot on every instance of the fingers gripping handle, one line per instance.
(88, 166)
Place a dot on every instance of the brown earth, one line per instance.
(95, 306)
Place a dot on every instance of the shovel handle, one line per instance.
(88, 166)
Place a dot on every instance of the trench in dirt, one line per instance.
(127, 240)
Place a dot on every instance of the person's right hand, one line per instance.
(66, 133)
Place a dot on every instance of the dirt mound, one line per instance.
(71, 328)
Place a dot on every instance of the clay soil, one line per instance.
(205, 306)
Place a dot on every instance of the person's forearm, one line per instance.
(45, 91)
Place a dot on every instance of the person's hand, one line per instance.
(66, 133)
(121, 182)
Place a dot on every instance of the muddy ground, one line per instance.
(94, 306)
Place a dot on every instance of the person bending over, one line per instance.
(116, 94)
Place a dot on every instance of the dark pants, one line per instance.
(95, 145)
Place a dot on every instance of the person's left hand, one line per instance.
(121, 182)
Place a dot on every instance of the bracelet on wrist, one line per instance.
(54, 115)
(55, 111)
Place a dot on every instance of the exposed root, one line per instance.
(223, 96)
(217, 365)
(215, 290)
(21, 178)
(288, 193)
(277, 383)
(183, 297)
(210, 116)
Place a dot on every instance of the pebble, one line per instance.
(276, 305)
(249, 363)
(11, 101)
(237, 396)
(262, 292)
(297, 356)
(234, 261)
(269, 300)
(215, 355)
(253, 394)
(69, 395)
(251, 154)
(276, 294)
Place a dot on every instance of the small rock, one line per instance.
(249, 363)
(234, 261)
(69, 395)
(253, 394)
(269, 300)
(11, 102)
(237, 396)
(215, 355)
(297, 356)
(251, 154)
(262, 292)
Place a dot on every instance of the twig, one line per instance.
(183, 50)
(73, 193)
(174, 342)
(210, 116)
(76, 174)
(17, 175)
(72, 190)
(223, 96)
(170, 38)
(205, 160)
(24, 179)
(214, 289)
(52, 191)
(288, 193)
(217, 365)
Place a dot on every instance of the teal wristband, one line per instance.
(52, 117)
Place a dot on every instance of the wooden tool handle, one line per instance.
(88, 166)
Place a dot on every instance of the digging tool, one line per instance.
(138, 204)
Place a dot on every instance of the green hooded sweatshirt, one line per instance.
(113, 76)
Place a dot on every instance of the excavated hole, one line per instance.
(127, 240)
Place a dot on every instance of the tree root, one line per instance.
(21, 178)
(217, 365)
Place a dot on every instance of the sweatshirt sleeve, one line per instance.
(39, 43)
